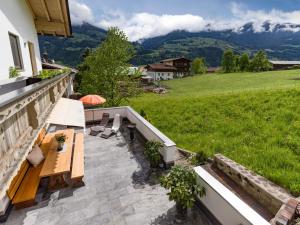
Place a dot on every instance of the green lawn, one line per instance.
(253, 119)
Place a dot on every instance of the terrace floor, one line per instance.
(119, 190)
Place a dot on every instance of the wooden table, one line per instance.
(57, 164)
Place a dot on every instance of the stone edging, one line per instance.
(267, 193)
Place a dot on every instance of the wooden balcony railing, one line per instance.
(23, 113)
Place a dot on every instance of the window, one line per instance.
(16, 50)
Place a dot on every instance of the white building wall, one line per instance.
(161, 75)
(16, 18)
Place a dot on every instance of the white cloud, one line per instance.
(259, 17)
(145, 25)
(80, 13)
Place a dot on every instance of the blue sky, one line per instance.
(207, 8)
(147, 18)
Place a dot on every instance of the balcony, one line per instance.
(23, 113)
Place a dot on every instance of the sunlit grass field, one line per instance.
(253, 118)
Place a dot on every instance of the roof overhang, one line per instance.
(51, 17)
(284, 62)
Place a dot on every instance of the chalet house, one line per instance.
(161, 71)
(24, 108)
(169, 69)
(284, 65)
(21, 22)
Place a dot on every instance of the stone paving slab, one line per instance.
(116, 192)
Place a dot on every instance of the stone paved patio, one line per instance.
(118, 191)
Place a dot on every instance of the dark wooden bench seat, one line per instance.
(77, 172)
(23, 189)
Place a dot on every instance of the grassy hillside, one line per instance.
(191, 47)
(253, 119)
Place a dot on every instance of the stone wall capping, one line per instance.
(263, 190)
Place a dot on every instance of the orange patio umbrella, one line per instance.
(93, 100)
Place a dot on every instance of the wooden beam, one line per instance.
(46, 10)
(60, 11)
(49, 27)
(31, 9)
(61, 14)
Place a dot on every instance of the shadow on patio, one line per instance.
(119, 189)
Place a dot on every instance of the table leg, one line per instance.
(57, 182)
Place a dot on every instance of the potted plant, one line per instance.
(13, 72)
(61, 139)
(152, 153)
(184, 189)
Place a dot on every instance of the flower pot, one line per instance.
(60, 146)
(181, 213)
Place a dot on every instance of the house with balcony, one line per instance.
(21, 22)
(90, 180)
(169, 69)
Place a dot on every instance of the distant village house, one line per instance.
(169, 69)
(284, 65)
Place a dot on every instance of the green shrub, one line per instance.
(44, 74)
(152, 153)
(295, 67)
(13, 72)
(199, 159)
(182, 183)
(199, 66)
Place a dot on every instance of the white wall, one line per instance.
(161, 75)
(15, 17)
(225, 205)
(150, 132)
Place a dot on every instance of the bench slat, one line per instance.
(78, 157)
(25, 185)
(17, 180)
(29, 186)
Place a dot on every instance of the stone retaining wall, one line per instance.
(267, 193)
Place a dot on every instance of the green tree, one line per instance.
(82, 68)
(260, 62)
(199, 66)
(244, 62)
(108, 69)
(236, 63)
(228, 61)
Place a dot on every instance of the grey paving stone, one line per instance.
(116, 191)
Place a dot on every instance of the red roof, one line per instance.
(161, 67)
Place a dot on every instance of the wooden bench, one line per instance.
(77, 172)
(23, 188)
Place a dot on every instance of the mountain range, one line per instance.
(280, 41)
